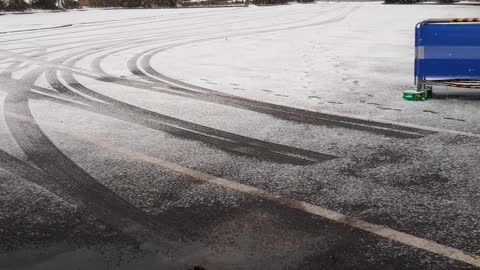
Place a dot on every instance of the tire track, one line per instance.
(227, 141)
(36, 141)
(160, 20)
(226, 146)
(174, 29)
(255, 147)
(37, 29)
(69, 180)
(22, 169)
(119, 36)
(278, 111)
(80, 185)
(230, 142)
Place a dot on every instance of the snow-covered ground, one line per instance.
(358, 66)
(43, 19)
(95, 108)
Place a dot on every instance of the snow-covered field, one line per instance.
(357, 64)
(102, 111)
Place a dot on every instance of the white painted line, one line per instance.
(375, 229)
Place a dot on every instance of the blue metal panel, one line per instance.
(447, 51)
(449, 69)
(449, 34)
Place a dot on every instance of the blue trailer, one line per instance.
(447, 51)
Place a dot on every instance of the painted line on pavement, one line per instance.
(378, 230)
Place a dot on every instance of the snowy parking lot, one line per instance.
(232, 138)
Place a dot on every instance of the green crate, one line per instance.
(415, 95)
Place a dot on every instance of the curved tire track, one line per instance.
(278, 111)
(69, 180)
(24, 170)
(83, 188)
(142, 61)
(227, 141)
